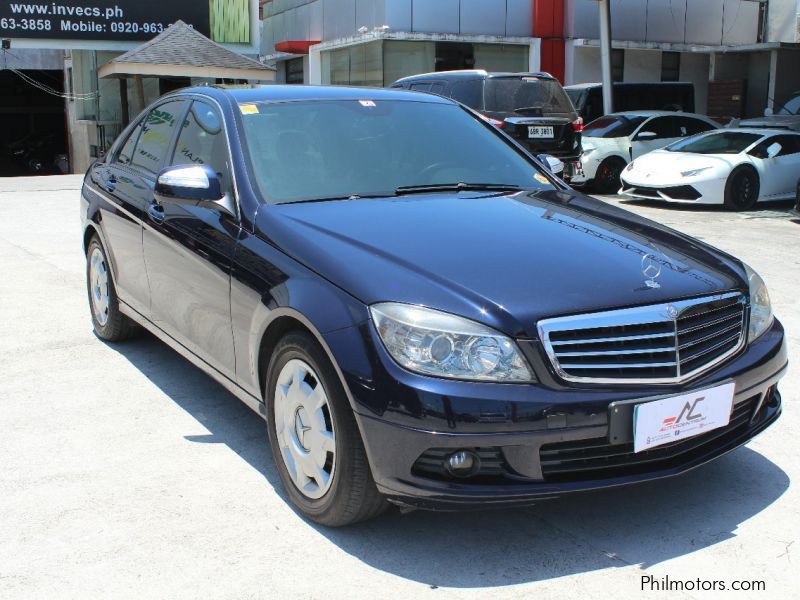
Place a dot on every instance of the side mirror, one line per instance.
(644, 136)
(554, 165)
(193, 185)
(773, 150)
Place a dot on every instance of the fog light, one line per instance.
(462, 463)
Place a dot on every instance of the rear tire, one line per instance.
(108, 322)
(607, 179)
(742, 189)
(314, 437)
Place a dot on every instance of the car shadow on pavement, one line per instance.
(641, 525)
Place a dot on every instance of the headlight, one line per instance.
(761, 316)
(694, 172)
(435, 343)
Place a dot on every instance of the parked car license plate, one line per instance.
(534, 131)
(680, 417)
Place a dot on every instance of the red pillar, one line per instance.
(548, 24)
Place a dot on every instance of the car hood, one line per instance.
(668, 166)
(505, 260)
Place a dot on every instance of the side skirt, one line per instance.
(251, 401)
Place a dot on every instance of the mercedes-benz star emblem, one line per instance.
(651, 269)
(300, 428)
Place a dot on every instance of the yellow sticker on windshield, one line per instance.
(541, 178)
(248, 109)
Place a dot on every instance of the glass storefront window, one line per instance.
(401, 59)
(361, 64)
(382, 63)
(511, 58)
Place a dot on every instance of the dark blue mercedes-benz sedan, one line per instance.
(420, 311)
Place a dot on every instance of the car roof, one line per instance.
(474, 74)
(285, 93)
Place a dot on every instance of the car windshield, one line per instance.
(516, 94)
(721, 142)
(306, 151)
(613, 126)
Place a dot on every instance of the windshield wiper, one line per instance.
(457, 187)
(346, 197)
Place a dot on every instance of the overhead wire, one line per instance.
(43, 87)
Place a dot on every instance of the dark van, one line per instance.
(531, 107)
(588, 97)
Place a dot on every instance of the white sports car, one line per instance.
(734, 167)
(611, 142)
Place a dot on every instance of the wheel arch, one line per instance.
(88, 233)
(283, 320)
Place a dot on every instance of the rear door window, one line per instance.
(125, 154)
(158, 130)
(438, 88)
(613, 126)
(663, 127)
(468, 92)
(689, 126)
(790, 144)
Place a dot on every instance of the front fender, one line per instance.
(270, 289)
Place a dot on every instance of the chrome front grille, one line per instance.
(663, 343)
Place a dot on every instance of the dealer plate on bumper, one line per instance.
(680, 417)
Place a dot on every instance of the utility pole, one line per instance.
(605, 55)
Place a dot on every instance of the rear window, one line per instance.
(526, 96)
(613, 126)
(726, 142)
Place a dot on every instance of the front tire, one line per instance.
(108, 322)
(315, 441)
(742, 189)
(607, 179)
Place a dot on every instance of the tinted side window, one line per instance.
(202, 141)
(663, 127)
(159, 126)
(688, 126)
(420, 87)
(790, 144)
(125, 154)
(438, 88)
(468, 92)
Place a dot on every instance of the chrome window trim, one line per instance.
(640, 315)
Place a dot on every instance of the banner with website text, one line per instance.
(224, 21)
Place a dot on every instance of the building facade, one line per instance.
(747, 45)
(50, 94)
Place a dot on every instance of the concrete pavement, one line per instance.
(126, 472)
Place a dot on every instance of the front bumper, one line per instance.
(523, 428)
(690, 191)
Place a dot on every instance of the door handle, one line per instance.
(156, 212)
(111, 183)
